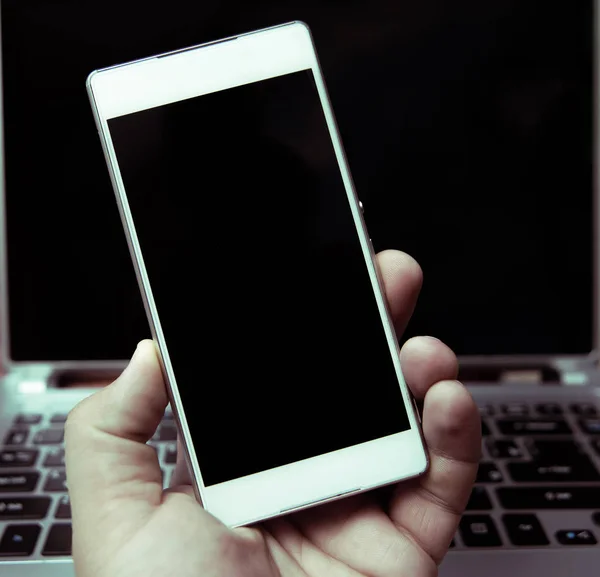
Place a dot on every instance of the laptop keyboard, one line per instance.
(538, 461)
(34, 502)
(538, 483)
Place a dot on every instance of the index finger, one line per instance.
(402, 279)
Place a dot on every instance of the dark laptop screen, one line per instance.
(468, 127)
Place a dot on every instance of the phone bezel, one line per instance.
(188, 73)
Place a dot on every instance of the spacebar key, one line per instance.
(550, 497)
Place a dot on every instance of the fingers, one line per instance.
(429, 509)
(402, 279)
(105, 435)
(425, 361)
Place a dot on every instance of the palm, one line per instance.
(343, 539)
(338, 540)
(125, 525)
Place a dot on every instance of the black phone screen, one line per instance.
(259, 279)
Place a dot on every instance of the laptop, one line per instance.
(470, 132)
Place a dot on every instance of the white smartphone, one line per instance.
(258, 275)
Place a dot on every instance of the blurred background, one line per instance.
(468, 128)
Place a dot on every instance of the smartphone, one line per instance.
(257, 273)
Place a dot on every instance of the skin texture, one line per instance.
(125, 525)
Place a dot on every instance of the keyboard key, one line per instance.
(576, 537)
(552, 497)
(49, 437)
(524, 530)
(504, 449)
(596, 518)
(581, 470)
(553, 451)
(171, 454)
(55, 458)
(63, 510)
(488, 473)
(18, 482)
(16, 437)
(19, 540)
(28, 419)
(56, 481)
(485, 429)
(549, 409)
(167, 433)
(515, 410)
(590, 426)
(59, 540)
(23, 508)
(584, 409)
(479, 531)
(20, 458)
(479, 500)
(59, 418)
(522, 427)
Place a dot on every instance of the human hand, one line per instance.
(125, 525)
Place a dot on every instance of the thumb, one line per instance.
(107, 459)
(130, 408)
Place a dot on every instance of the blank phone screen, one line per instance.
(261, 286)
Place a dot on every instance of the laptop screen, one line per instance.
(468, 128)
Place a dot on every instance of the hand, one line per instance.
(125, 525)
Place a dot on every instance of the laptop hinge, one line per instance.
(574, 371)
(38, 377)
